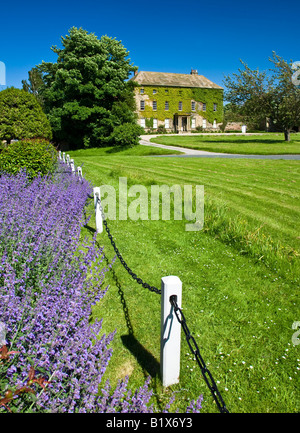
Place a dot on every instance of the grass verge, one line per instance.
(265, 144)
(239, 309)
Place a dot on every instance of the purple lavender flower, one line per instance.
(47, 289)
(49, 280)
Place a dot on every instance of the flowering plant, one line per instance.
(47, 289)
(53, 356)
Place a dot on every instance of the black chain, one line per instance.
(189, 338)
(131, 273)
(195, 350)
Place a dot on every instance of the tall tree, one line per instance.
(34, 84)
(266, 95)
(86, 95)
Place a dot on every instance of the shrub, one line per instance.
(161, 129)
(35, 156)
(127, 134)
(21, 116)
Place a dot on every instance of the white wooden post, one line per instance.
(64, 156)
(68, 159)
(170, 331)
(59, 154)
(98, 216)
(79, 172)
(72, 165)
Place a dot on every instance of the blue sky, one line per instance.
(161, 35)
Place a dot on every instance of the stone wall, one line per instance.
(234, 126)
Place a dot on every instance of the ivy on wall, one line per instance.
(174, 95)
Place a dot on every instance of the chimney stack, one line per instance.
(194, 72)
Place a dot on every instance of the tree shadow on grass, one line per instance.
(118, 149)
(243, 140)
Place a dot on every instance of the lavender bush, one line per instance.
(47, 288)
(52, 356)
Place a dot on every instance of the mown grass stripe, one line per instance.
(240, 310)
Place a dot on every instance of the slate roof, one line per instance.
(173, 80)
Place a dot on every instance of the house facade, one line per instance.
(177, 102)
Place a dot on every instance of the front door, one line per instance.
(181, 123)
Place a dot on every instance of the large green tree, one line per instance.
(85, 93)
(266, 95)
(34, 84)
(21, 116)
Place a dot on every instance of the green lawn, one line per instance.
(264, 144)
(240, 291)
(129, 151)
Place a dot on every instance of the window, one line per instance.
(154, 123)
(180, 92)
(142, 91)
(204, 107)
(215, 124)
(193, 106)
(215, 107)
(143, 123)
(166, 105)
(154, 91)
(142, 105)
(180, 106)
(204, 123)
(154, 105)
(166, 91)
(193, 123)
(167, 123)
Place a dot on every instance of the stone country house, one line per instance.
(177, 102)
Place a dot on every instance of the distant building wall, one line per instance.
(183, 106)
